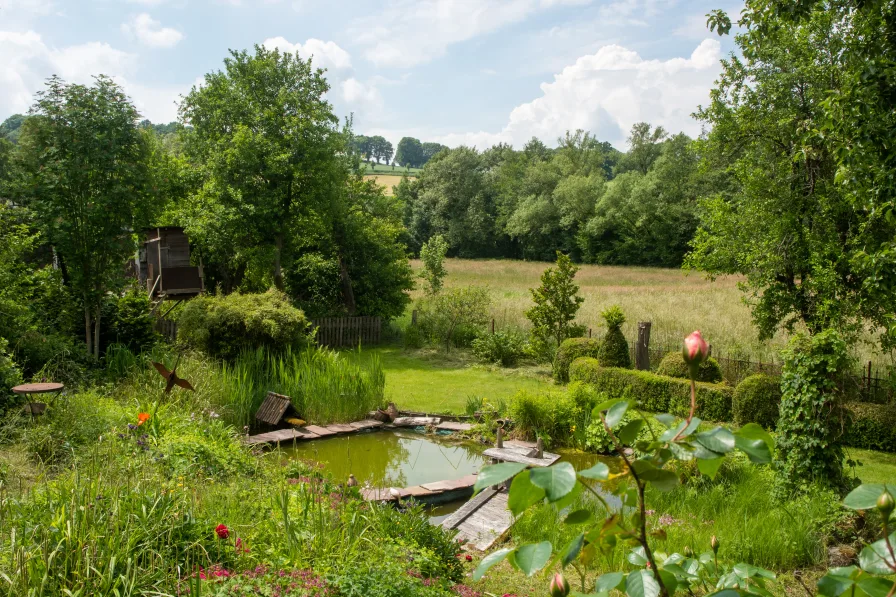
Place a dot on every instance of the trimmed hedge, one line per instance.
(614, 348)
(656, 393)
(757, 400)
(871, 426)
(571, 349)
(673, 365)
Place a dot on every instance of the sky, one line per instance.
(458, 72)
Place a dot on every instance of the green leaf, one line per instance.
(660, 478)
(578, 517)
(718, 440)
(709, 467)
(864, 497)
(876, 558)
(637, 556)
(532, 558)
(489, 561)
(876, 586)
(669, 581)
(615, 413)
(609, 581)
(556, 480)
(496, 473)
(629, 431)
(834, 585)
(523, 494)
(665, 419)
(572, 550)
(641, 583)
(606, 404)
(753, 432)
(599, 471)
(755, 449)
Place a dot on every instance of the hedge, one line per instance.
(673, 365)
(655, 393)
(757, 400)
(871, 426)
(571, 349)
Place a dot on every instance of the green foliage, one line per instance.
(454, 316)
(432, 254)
(409, 152)
(556, 304)
(553, 416)
(570, 350)
(871, 426)
(504, 347)
(129, 320)
(10, 376)
(810, 425)
(224, 326)
(210, 451)
(655, 393)
(673, 365)
(83, 171)
(757, 399)
(614, 350)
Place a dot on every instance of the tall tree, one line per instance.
(270, 145)
(430, 149)
(557, 302)
(84, 174)
(409, 152)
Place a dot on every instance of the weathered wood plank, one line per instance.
(513, 455)
(340, 428)
(321, 431)
(453, 426)
(461, 514)
(483, 520)
(366, 424)
(415, 421)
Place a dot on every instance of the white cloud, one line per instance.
(28, 61)
(150, 32)
(323, 54)
(410, 32)
(606, 93)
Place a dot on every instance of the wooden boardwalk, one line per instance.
(318, 431)
(482, 521)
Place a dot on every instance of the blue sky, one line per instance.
(455, 71)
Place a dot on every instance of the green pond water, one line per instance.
(401, 458)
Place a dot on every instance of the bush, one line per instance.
(673, 365)
(655, 393)
(614, 348)
(502, 348)
(757, 400)
(552, 416)
(129, 321)
(871, 426)
(10, 376)
(224, 326)
(571, 349)
(454, 316)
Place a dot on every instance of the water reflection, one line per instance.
(401, 458)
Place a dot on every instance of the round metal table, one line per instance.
(31, 389)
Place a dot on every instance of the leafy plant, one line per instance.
(673, 365)
(655, 573)
(556, 304)
(504, 347)
(871, 426)
(432, 254)
(444, 314)
(571, 349)
(614, 348)
(757, 399)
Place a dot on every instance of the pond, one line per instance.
(400, 458)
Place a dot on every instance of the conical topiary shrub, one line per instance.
(614, 349)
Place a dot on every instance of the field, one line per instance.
(677, 302)
(386, 180)
(388, 169)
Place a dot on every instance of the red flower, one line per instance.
(142, 418)
(469, 557)
(222, 531)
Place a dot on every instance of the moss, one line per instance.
(673, 365)
(871, 426)
(757, 400)
(570, 350)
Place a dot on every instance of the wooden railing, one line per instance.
(336, 332)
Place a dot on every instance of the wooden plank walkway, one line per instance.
(427, 493)
(482, 521)
(310, 432)
(510, 453)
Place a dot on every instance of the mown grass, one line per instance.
(677, 302)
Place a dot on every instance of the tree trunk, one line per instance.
(278, 272)
(96, 334)
(348, 295)
(88, 328)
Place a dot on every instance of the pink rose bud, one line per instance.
(559, 586)
(695, 349)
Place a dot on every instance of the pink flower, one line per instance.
(222, 531)
(559, 587)
(695, 349)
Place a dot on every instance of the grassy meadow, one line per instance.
(676, 301)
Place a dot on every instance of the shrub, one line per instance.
(673, 365)
(413, 337)
(550, 415)
(614, 348)
(656, 393)
(454, 316)
(504, 347)
(224, 326)
(129, 321)
(757, 400)
(571, 349)
(871, 426)
(10, 376)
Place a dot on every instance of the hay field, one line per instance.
(385, 180)
(675, 301)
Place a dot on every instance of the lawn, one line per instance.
(429, 381)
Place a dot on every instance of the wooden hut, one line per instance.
(164, 265)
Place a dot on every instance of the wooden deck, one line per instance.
(517, 453)
(310, 432)
(482, 521)
(437, 492)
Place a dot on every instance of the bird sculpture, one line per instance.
(396, 495)
(171, 377)
(352, 482)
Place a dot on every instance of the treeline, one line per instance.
(584, 198)
(411, 153)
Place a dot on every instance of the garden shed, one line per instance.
(164, 264)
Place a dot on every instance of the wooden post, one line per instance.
(493, 325)
(589, 332)
(500, 436)
(414, 317)
(642, 348)
(539, 445)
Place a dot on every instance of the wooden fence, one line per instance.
(167, 328)
(337, 332)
